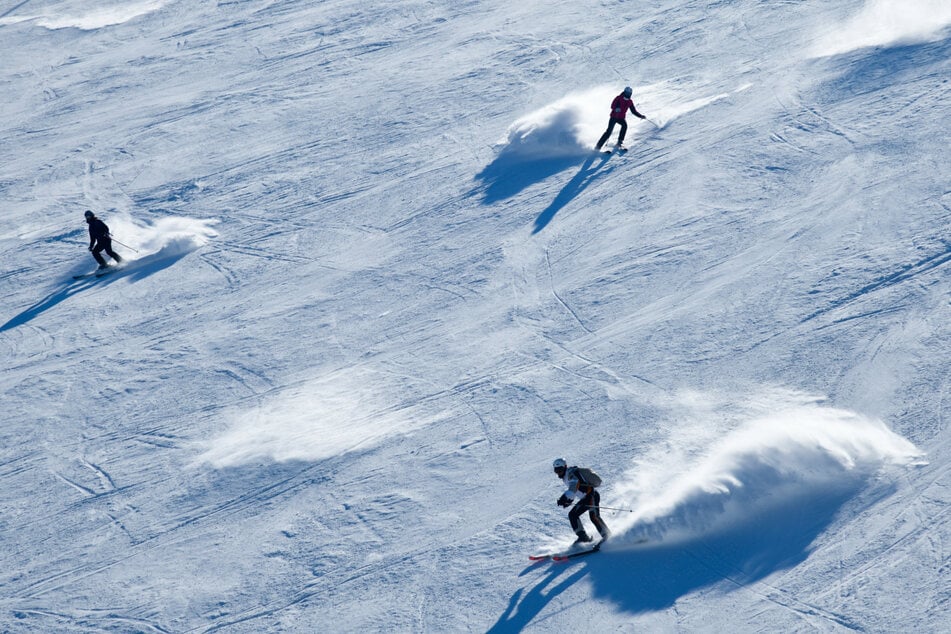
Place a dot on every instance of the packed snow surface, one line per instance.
(376, 280)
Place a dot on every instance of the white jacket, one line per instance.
(573, 482)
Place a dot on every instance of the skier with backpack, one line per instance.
(582, 484)
(619, 107)
(100, 240)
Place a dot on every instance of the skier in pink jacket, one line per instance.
(619, 107)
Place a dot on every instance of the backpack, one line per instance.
(589, 477)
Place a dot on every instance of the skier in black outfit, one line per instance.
(589, 501)
(100, 240)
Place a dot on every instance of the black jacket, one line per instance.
(97, 230)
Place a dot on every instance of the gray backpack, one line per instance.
(589, 477)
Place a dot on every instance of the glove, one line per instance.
(642, 116)
(564, 501)
(90, 247)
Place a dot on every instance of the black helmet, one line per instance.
(628, 91)
(89, 214)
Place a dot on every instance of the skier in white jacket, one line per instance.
(586, 496)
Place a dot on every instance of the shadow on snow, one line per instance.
(649, 578)
(871, 69)
(586, 175)
(133, 270)
(514, 171)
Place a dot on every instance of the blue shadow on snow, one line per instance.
(586, 175)
(652, 577)
(133, 270)
(870, 69)
(524, 606)
(512, 171)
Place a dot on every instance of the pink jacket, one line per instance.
(621, 105)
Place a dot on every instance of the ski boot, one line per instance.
(583, 538)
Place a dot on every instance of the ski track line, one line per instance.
(104, 477)
(551, 285)
(122, 527)
(907, 272)
(89, 496)
(16, 461)
(586, 362)
(258, 252)
(72, 575)
(919, 532)
(260, 495)
(462, 395)
(321, 586)
(89, 493)
(39, 338)
(227, 273)
(231, 506)
(832, 127)
(131, 622)
(803, 610)
(36, 590)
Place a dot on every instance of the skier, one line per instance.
(100, 240)
(587, 496)
(619, 107)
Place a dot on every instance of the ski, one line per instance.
(564, 556)
(580, 553)
(96, 273)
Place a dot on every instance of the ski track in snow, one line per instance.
(380, 269)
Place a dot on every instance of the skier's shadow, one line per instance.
(135, 271)
(585, 176)
(644, 578)
(46, 303)
(523, 608)
(512, 172)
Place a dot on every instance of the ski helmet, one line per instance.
(89, 214)
(628, 91)
(559, 463)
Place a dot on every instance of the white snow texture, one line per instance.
(376, 279)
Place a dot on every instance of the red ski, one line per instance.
(565, 556)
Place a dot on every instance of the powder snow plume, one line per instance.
(171, 236)
(572, 125)
(888, 22)
(79, 15)
(565, 127)
(713, 473)
(316, 419)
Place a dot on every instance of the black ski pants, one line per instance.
(607, 133)
(104, 244)
(589, 503)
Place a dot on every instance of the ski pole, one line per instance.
(608, 508)
(125, 245)
(652, 123)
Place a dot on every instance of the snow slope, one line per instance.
(377, 281)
